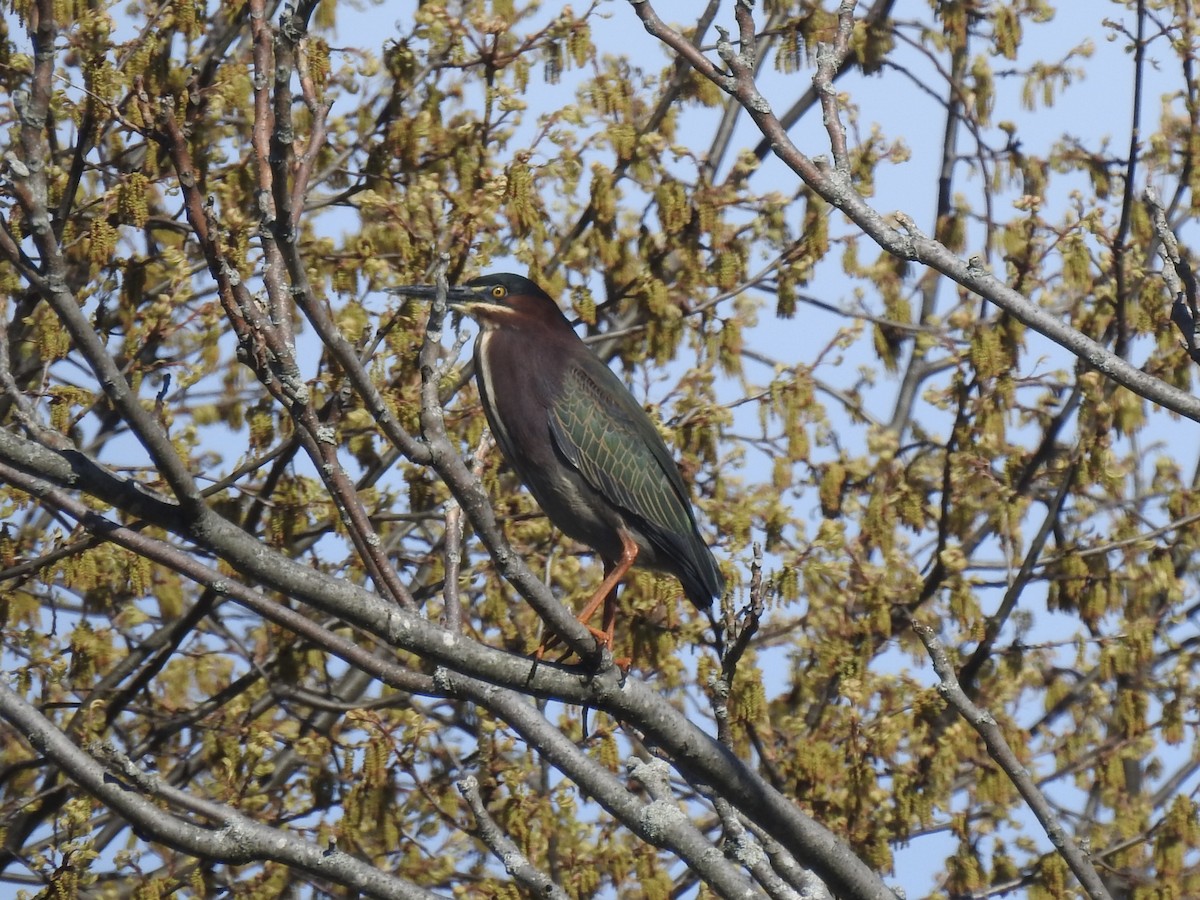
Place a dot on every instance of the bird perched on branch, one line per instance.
(580, 442)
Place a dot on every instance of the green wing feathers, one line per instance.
(619, 451)
(602, 431)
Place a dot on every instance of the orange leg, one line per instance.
(605, 594)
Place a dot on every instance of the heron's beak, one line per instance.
(455, 296)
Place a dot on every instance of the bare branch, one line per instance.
(515, 862)
(239, 839)
(999, 750)
(908, 242)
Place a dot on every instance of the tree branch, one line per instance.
(516, 863)
(998, 749)
(907, 241)
(238, 840)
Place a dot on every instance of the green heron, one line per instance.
(580, 442)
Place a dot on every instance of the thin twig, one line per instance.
(516, 863)
(999, 750)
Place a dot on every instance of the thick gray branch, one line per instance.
(238, 839)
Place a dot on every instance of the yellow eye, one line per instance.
(498, 291)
